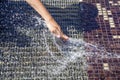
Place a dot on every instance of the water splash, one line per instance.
(69, 51)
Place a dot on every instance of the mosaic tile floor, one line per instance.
(22, 48)
(107, 35)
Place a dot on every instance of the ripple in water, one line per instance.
(70, 51)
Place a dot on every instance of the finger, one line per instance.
(56, 33)
(64, 37)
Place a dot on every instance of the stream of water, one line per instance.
(70, 51)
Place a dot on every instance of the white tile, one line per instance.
(112, 26)
(118, 2)
(104, 9)
(111, 23)
(100, 13)
(109, 12)
(110, 1)
(105, 66)
(80, 0)
(105, 14)
(105, 17)
(116, 36)
(115, 4)
(98, 4)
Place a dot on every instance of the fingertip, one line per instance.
(65, 37)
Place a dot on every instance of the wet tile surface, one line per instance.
(108, 36)
(22, 48)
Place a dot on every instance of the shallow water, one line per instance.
(29, 51)
(70, 50)
(48, 56)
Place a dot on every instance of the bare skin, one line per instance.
(51, 23)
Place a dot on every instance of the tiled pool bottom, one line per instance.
(23, 53)
(107, 35)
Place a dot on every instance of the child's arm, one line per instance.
(51, 23)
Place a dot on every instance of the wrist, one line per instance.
(49, 20)
(52, 22)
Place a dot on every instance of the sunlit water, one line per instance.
(67, 51)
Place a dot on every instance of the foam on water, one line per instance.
(69, 50)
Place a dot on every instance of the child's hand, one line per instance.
(55, 29)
